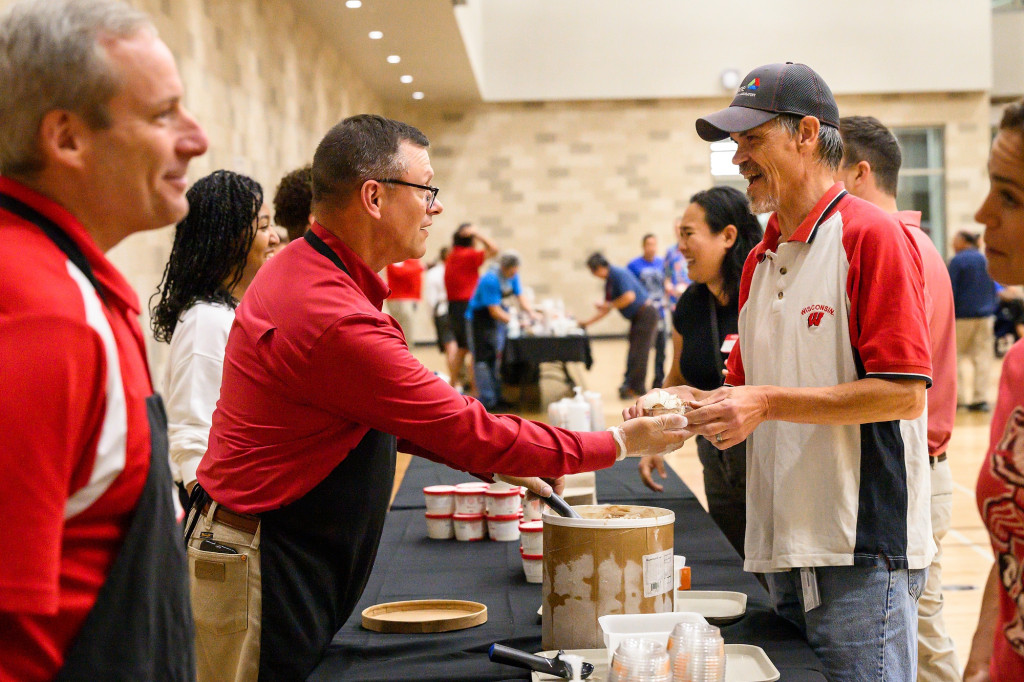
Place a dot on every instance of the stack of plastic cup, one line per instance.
(640, 660)
(697, 652)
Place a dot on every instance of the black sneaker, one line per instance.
(979, 407)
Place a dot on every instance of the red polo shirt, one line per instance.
(405, 280)
(938, 303)
(461, 272)
(312, 364)
(76, 450)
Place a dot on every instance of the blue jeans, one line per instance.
(866, 626)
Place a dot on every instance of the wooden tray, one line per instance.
(424, 616)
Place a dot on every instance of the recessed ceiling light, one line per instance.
(353, 4)
(376, 35)
(406, 79)
(394, 59)
(417, 95)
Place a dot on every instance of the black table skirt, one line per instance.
(411, 566)
(522, 355)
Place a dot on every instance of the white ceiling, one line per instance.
(526, 50)
(423, 33)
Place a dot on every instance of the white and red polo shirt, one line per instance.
(841, 300)
(75, 448)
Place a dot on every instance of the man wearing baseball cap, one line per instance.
(833, 354)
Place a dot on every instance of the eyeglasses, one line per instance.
(430, 193)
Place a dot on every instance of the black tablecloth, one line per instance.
(410, 566)
(523, 354)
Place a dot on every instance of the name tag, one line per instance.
(730, 341)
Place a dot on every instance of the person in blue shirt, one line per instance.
(487, 315)
(624, 292)
(974, 298)
(677, 276)
(649, 268)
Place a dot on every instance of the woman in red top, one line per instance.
(997, 652)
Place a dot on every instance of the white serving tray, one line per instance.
(748, 663)
(743, 663)
(718, 607)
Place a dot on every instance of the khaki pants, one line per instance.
(226, 602)
(974, 344)
(936, 657)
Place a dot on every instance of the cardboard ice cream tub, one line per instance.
(617, 559)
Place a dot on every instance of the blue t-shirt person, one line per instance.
(974, 292)
(621, 280)
(676, 270)
(492, 289)
(651, 274)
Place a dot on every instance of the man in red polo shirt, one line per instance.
(461, 273)
(319, 391)
(94, 147)
(870, 170)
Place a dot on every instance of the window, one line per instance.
(723, 172)
(922, 184)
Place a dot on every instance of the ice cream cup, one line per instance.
(504, 528)
(531, 535)
(440, 526)
(440, 499)
(533, 566)
(469, 527)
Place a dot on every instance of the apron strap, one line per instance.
(58, 236)
(327, 252)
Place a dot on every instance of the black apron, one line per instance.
(316, 553)
(140, 627)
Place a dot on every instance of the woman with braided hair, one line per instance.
(224, 240)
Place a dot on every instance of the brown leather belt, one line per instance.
(935, 460)
(243, 522)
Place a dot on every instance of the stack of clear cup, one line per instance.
(640, 660)
(697, 653)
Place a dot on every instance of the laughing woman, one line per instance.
(218, 248)
(716, 233)
(997, 652)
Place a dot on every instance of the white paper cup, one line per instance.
(470, 500)
(469, 527)
(532, 509)
(503, 502)
(440, 526)
(533, 566)
(503, 528)
(679, 563)
(440, 499)
(531, 534)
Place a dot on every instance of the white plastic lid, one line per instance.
(468, 517)
(471, 491)
(510, 492)
(471, 484)
(439, 490)
(531, 526)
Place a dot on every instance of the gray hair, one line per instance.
(830, 142)
(51, 58)
(508, 259)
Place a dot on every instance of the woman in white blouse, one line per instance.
(224, 240)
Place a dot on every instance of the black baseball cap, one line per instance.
(768, 91)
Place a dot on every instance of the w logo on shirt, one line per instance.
(816, 313)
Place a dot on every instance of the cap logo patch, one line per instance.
(754, 84)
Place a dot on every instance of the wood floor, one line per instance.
(968, 555)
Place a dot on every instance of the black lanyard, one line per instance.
(716, 342)
(58, 236)
(321, 247)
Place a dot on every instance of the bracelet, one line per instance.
(620, 442)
